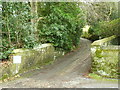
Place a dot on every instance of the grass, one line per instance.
(98, 77)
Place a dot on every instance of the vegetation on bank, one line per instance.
(17, 31)
(103, 20)
(26, 24)
(106, 29)
(98, 77)
(105, 61)
(62, 24)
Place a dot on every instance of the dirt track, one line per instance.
(66, 72)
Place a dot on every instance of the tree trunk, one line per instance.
(34, 20)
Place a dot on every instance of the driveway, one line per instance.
(65, 72)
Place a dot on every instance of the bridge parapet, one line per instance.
(105, 57)
(22, 60)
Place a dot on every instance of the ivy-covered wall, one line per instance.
(105, 57)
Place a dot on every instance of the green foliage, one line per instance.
(99, 16)
(100, 11)
(104, 64)
(91, 34)
(62, 25)
(86, 35)
(17, 31)
(98, 77)
(107, 29)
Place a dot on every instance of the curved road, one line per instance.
(66, 72)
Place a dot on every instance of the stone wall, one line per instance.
(105, 57)
(30, 59)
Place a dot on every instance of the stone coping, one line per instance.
(102, 41)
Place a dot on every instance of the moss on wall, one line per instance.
(105, 59)
(104, 41)
(31, 59)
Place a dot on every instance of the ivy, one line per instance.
(17, 31)
(61, 25)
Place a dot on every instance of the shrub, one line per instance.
(16, 31)
(105, 29)
(109, 28)
(62, 25)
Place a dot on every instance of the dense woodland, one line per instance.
(26, 24)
